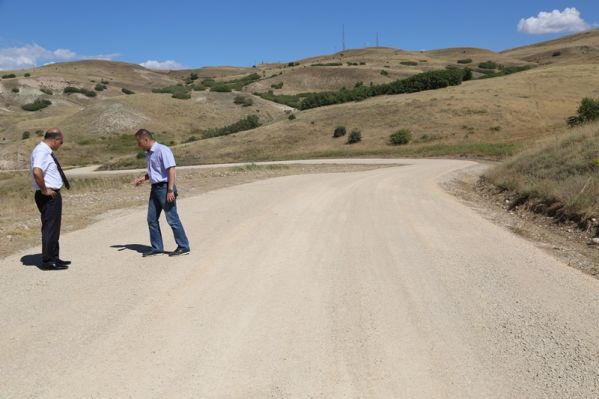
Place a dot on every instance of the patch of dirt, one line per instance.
(565, 240)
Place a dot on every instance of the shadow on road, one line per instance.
(139, 248)
(35, 260)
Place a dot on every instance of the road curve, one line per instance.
(374, 284)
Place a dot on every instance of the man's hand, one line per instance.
(48, 192)
(170, 197)
(139, 181)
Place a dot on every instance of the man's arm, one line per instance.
(38, 176)
(170, 195)
(140, 180)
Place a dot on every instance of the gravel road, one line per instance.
(374, 284)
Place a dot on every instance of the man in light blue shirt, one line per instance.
(161, 174)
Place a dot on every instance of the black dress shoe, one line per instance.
(61, 262)
(152, 253)
(52, 265)
(179, 251)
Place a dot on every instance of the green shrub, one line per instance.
(36, 105)
(291, 117)
(287, 99)
(191, 139)
(181, 95)
(221, 87)
(25, 135)
(100, 87)
(277, 85)
(354, 137)
(27, 75)
(242, 100)
(104, 82)
(410, 63)
(384, 73)
(193, 76)
(39, 133)
(15, 90)
(9, 76)
(465, 61)
(402, 136)
(556, 54)
(292, 64)
(71, 89)
(487, 65)
(588, 111)
(46, 91)
(250, 122)
(127, 91)
(339, 131)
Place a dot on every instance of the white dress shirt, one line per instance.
(41, 157)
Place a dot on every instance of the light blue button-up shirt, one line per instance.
(160, 158)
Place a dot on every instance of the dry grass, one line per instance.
(89, 198)
(561, 170)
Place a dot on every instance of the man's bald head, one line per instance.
(53, 138)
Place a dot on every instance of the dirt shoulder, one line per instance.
(565, 241)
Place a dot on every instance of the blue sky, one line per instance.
(175, 34)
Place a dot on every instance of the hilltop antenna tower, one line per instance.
(343, 37)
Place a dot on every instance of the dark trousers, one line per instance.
(51, 215)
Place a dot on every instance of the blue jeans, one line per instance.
(156, 205)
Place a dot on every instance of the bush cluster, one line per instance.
(354, 137)
(251, 122)
(181, 95)
(339, 131)
(27, 75)
(465, 61)
(292, 64)
(410, 63)
(36, 105)
(419, 82)
(47, 91)
(277, 85)
(15, 90)
(9, 76)
(588, 111)
(243, 100)
(400, 137)
(25, 135)
(177, 91)
(71, 89)
(503, 71)
(100, 87)
(127, 91)
(384, 73)
(287, 99)
(487, 65)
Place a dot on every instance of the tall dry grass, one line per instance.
(563, 170)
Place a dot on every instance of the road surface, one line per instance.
(373, 284)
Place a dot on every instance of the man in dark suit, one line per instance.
(47, 178)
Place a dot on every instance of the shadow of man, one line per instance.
(35, 260)
(139, 248)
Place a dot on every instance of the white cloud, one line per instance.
(555, 21)
(32, 55)
(168, 64)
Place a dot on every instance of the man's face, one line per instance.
(56, 143)
(144, 143)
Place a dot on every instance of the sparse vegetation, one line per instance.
(9, 76)
(287, 99)
(36, 105)
(25, 135)
(251, 122)
(292, 64)
(100, 87)
(291, 117)
(127, 91)
(503, 71)
(181, 95)
(339, 131)
(465, 61)
(409, 63)
(556, 54)
(327, 64)
(400, 137)
(277, 85)
(221, 87)
(15, 90)
(384, 73)
(354, 137)
(27, 75)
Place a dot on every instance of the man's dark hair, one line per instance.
(51, 135)
(144, 133)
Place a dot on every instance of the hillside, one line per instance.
(483, 117)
